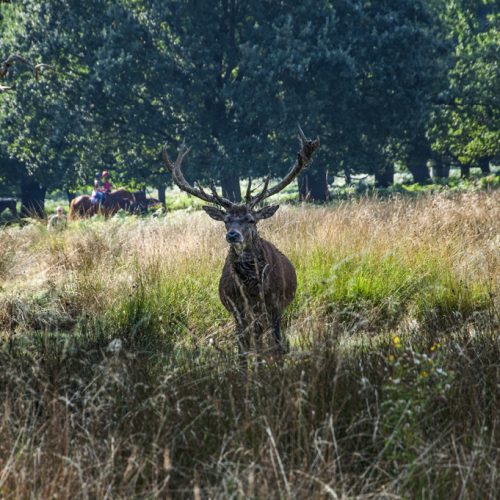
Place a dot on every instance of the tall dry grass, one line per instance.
(119, 378)
(395, 260)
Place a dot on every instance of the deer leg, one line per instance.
(243, 339)
(257, 333)
(242, 335)
(276, 328)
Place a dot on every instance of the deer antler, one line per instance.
(37, 69)
(6, 88)
(41, 68)
(180, 180)
(9, 62)
(307, 148)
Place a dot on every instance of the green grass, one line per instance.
(120, 376)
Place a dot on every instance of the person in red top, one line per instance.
(106, 184)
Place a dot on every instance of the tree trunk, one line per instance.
(484, 165)
(347, 175)
(385, 176)
(230, 184)
(419, 170)
(464, 171)
(313, 186)
(440, 170)
(161, 194)
(419, 153)
(32, 199)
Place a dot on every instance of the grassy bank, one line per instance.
(119, 375)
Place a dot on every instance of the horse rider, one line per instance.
(106, 184)
(57, 221)
(102, 187)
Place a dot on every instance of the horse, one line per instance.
(82, 205)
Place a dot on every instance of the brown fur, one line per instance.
(82, 206)
(257, 281)
(256, 286)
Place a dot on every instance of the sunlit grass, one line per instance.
(119, 376)
(384, 260)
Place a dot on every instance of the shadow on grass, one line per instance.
(90, 414)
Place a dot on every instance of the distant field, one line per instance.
(390, 387)
(362, 186)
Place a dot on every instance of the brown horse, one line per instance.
(82, 206)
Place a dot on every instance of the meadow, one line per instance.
(119, 376)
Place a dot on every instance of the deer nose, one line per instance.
(233, 236)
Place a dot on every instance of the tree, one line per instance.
(208, 40)
(467, 124)
(105, 107)
(234, 78)
(32, 193)
(361, 74)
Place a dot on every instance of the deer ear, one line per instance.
(266, 212)
(215, 213)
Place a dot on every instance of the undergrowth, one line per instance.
(119, 376)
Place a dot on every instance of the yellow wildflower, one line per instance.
(435, 346)
(396, 341)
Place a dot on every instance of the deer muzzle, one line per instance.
(233, 236)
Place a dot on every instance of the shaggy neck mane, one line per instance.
(251, 251)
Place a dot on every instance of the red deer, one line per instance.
(257, 281)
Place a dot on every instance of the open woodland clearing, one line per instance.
(120, 378)
(122, 373)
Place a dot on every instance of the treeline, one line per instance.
(385, 83)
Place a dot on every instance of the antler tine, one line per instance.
(220, 200)
(183, 184)
(200, 187)
(177, 175)
(248, 196)
(307, 149)
(262, 195)
(183, 151)
(40, 68)
(166, 159)
(16, 58)
(302, 136)
(170, 166)
(6, 88)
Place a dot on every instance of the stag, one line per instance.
(258, 281)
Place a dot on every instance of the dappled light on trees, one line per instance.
(391, 87)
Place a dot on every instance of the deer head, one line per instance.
(240, 219)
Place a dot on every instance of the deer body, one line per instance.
(257, 281)
(257, 284)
